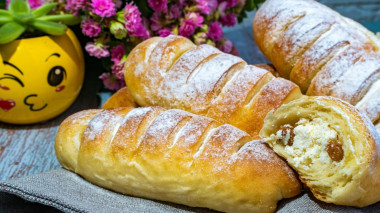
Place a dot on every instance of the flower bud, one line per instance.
(118, 30)
(200, 38)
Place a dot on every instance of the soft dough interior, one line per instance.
(314, 148)
(311, 143)
(317, 142)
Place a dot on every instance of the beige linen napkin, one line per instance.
(68, 192)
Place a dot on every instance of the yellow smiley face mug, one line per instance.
(39, 77)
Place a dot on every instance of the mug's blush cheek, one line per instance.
(60, 88)
(7, 104)
(4, 87)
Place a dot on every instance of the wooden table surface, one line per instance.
(29, 149)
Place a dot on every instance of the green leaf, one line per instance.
(5, 13)
(19, 6)
(242, 15)
(5, 16)
(43, 10)
(10, 31)
(249, 5)
(68, 19)
(257, 2)
(4, 20)
(48, 27)
(23, 18)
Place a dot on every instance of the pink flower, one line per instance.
(225, 46)
(186, 29)
(35, 3)
(234, 51)
(111, 82)
(228, 20)
(165, 32)
(158, 5)
(195, 19)
(192, 21)
(97, 50)
(118, 3)
(157, 21)
(103, 8)
(76, 5)
(141, 32)
(90, 28)
(222, 7)
(132, 17)
(117, 53)
(182, 3)
(32, 3)
(215, 32)
(133, 22)
(175, 11)
(202, 5)
(231, 3)
(118, 70)
(212, 4)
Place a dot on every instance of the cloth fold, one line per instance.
(68, 192)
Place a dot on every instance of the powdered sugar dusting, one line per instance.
(192, 79)
(79, 117)
(370, 104)
(174, 88)
(276, 16)
(301, 34)
(161, 53)
(221, 144)
(100, 124)
(253, 149)
(319, 53)
(351, 85)
(192, 131)
(235, 92)
(326, 78)
(163, 125)
(139, 68)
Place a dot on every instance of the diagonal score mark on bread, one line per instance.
(333, 147)
(175, 156)
(370, 102)
(303, 41)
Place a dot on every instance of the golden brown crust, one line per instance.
(352, 179)
(68, 140)
(321, 51)
(268, 67)
(121, 98)
(275, 93)
(205, 81)
(176, 156)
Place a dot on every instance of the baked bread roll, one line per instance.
(175, 156)
(172, 72)
(323, 52)
(121, 98)
(332, 146)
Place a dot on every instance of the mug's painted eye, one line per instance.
(56, 75)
